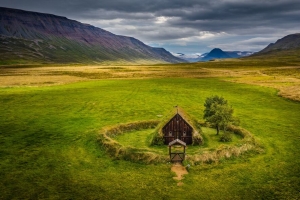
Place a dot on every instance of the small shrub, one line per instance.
(226, 138)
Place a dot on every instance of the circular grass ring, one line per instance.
(119, 151)
(248, 143)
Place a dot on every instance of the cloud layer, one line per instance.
(189, 26)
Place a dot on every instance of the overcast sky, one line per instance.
(182, 26)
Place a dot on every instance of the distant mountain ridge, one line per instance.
(45, 38)
(286, 48)
(286, 43)
(215, 53)
(189, 57)
(238, 54)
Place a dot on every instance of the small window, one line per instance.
(184, 133)
(170, 133)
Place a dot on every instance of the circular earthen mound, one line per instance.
(119, 151)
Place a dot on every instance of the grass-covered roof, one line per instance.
(196, 133)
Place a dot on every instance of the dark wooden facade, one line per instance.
(177, 128)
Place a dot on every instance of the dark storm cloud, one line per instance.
(128, 6)
(180, 21)
(237, 15)
(189, 9)
(243, 10)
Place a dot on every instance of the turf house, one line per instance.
(178, 126)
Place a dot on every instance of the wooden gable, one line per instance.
(177, 128)
(186, 129)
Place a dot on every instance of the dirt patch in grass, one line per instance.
(180, 171)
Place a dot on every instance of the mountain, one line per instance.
(189, 57)
(214, 54)
(238, 54)
(31, 37)
(220, 54)
(203, 55)
(286, 49)
(288, 42)
(287, 45)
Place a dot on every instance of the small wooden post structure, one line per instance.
(177, 155)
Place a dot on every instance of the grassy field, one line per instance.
(48, 133)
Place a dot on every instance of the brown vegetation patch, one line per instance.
(13, 81)
(55, 74)
(288, 87)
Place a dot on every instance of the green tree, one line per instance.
(208, 104)
(210, 110)
(218, 113)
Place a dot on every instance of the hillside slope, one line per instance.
(30, 37)
(284, 49)
(286, 43)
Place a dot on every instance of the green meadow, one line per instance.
(49, 147)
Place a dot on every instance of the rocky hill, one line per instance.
(286, 43)
(31, 37)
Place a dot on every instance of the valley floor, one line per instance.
(50, 118)
(285, 79)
